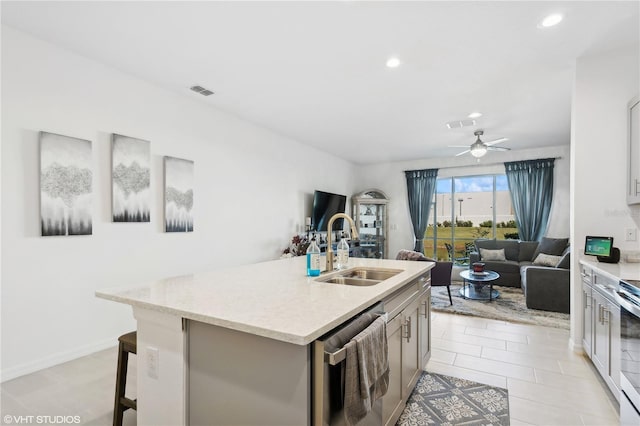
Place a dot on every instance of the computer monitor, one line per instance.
(598, 246)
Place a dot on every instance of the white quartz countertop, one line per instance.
(616, 271)
(271, 299)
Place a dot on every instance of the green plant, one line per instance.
(511, 236)
(480, 232)
(486, 224)
(464, 223)
(510, 224)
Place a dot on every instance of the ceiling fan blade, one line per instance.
(498, 148)
(462, 153)
(493, 142)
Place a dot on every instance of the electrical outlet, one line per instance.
(153, 362)
(631, 234)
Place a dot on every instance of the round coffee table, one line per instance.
(474, 286)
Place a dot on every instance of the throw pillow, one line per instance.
(565, 262)
(486, 254)
(411, 255)
(547, 260)
(484, 243)
(527, 248)
(554, 246)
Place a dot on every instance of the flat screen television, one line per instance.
(598, 246)
(325, 205)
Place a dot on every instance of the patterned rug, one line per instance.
(443, 400)
(510, 306)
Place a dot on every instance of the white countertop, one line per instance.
(272, 299)
(616, 271)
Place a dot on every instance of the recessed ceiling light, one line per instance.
(475, 114)
(551, 20)
(393, 62)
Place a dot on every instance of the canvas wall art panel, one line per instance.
(178, 195)
(65, 185)
(130, 172)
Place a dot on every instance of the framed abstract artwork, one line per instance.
(178, 195)
(130, 175)
(65, 185)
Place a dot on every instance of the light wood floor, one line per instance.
(548, 384)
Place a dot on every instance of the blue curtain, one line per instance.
(531, 186)
(421, 185)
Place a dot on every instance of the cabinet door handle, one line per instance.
(636, 181)
(600, 313)
(426, 309)
(605, 316)
(407, 325)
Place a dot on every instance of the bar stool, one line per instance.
(128, 344)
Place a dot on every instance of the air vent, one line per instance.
(201, 90)
(458, 124)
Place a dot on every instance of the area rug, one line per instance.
(510, 306)
(444, 400)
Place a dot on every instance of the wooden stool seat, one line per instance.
(127, 344)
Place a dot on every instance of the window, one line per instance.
(466, 208)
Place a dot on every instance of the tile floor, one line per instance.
(83, 387)
(548, 384)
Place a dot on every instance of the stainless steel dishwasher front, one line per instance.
(328, 374)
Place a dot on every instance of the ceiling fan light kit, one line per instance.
(479, 149)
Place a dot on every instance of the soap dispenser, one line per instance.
(313, 259)
(343, 253)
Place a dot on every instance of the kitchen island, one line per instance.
(237, 342)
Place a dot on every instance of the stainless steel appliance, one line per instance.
(629, 298)
(329, 374)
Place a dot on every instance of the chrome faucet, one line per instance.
(354, 235)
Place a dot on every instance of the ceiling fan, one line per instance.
(479, 149)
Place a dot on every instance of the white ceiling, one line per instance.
(315, 71)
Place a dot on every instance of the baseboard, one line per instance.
(55, 359)
(576, 346)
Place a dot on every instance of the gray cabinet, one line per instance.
(633, 144)
(392, 402)
(615, 350)
(424, 326)
(587, 310)
(600, 335)
(601, 326)
(410, 348)
(408, 340)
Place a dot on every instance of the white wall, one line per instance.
(253, 189)
(603, 86)
(390, 178)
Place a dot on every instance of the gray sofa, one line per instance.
(545, 287)
(517, 254)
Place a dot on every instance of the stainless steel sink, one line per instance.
(352, 281)
(360, 276)
(371, 273)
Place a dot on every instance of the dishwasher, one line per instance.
(329, 357)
